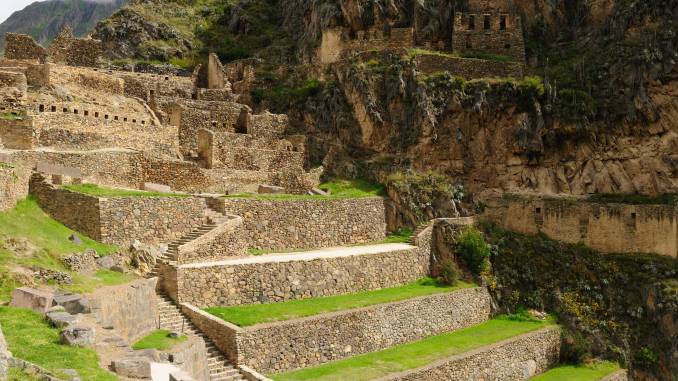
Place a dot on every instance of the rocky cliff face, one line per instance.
(45, 19)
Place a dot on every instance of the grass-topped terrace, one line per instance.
(99, 191)
(30, 238)
(339, 189)
(30, 338)
(160, 339)
(585, 372)
(253, 314)
(413, 355)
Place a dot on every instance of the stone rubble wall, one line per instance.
(23, 47)
(227, 240)
(13, 184)
(508, 42)
(131, 309)
(300, 343)
(77, 211)
(18, 134)
(607, 227)
(251, 159)
(620, 375)
(302, 224)
(93, 114)
(222, 333)
(192, 120)
(120, 220)
(149, 219)
(515, 359)
(268, 125)
(215, 284)
(468, 68)
(69, 50)
(102, 82)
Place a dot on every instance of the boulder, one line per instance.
(180, 375)
(133, 367)
(153, 187)
(107, 262)
(60, 319)
(73, 303)
(319, 192)
(75, 239)
(144, 256)
(38, 301)
(119, 269)
(270, 189)
(76, 336)
(72, 374)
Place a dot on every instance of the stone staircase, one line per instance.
(171, 318)
(212, 219)
(420, 229)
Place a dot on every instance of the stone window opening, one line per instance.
(469, 45)
(502, 22)
(214, 123)
(472, 22)
(295, 149)
(633, 216)
(106, 116)
(507, 46)
(53, 108)
(124, 119)
(75, 111)
(538, 210)
(42, 108)
(143, 122)
(65, 109)
(194, 96)
(134, 120)
(166, 78)
(487, 24)
(115, 117)
(86, 113)
(96, 114)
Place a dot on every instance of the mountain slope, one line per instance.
(44, 20)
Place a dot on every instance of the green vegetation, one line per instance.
(663, 199)
(586, 372)
(487, 56)
(265, 313)
(340, 189)
(30, 338)
(160, 340)
(10, 116)
(279, 97)
(412, 53)
(473, 250)
(46, 242)
(449, 272)
(401, 236)
(99, 191)
(413, 355)
(16, 374)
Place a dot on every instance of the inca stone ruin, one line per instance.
(353, 190)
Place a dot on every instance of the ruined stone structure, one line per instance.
(69, 50)
(23, 47)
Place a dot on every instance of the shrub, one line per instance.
(473, 250)
(449, 272)
(574, 349)
(647, 358)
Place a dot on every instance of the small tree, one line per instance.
(473, 250)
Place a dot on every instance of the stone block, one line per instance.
(38, 301)
(72, 303)
(153, 187)
(76, 336)
(270, 189)
(55, 169)
(61, 319)
(180, 376)
(133, 367)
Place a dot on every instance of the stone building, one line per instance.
(489, 26)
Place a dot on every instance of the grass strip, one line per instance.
(249, 315)
(584, 372)
(339, 189)
(30, 338)
(159, 339)
(99, 191)
(417, 354)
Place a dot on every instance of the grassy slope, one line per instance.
(340, 189)
(30, 338)
(588, 372)
(50, 239)
(95, 190)
(264, 313)
(159, 340)
(413, 355)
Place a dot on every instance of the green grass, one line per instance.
(159, 340)
(30, 338)
(586, 372)
(265, 313)
(10, 116)
(417, 354)
(16, 374)
(340, 189)
(98, 191)
(401, 236)
(49, 241)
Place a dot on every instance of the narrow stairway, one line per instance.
(212, 219)
(171, 318)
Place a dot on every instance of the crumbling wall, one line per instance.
(468, 68)
(18, 133)
(72, 51)
(23, 47)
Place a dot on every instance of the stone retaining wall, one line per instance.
(468, 68)
(13, 184)
(218, 284)
(515, 359)
(606, 227)
(191, 357)
(120, 220)
(287, 345)
(227, 240)
(131, 309)
(18, 134)
(279, 224)
(23, 47)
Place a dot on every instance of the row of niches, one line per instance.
(42, 108)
